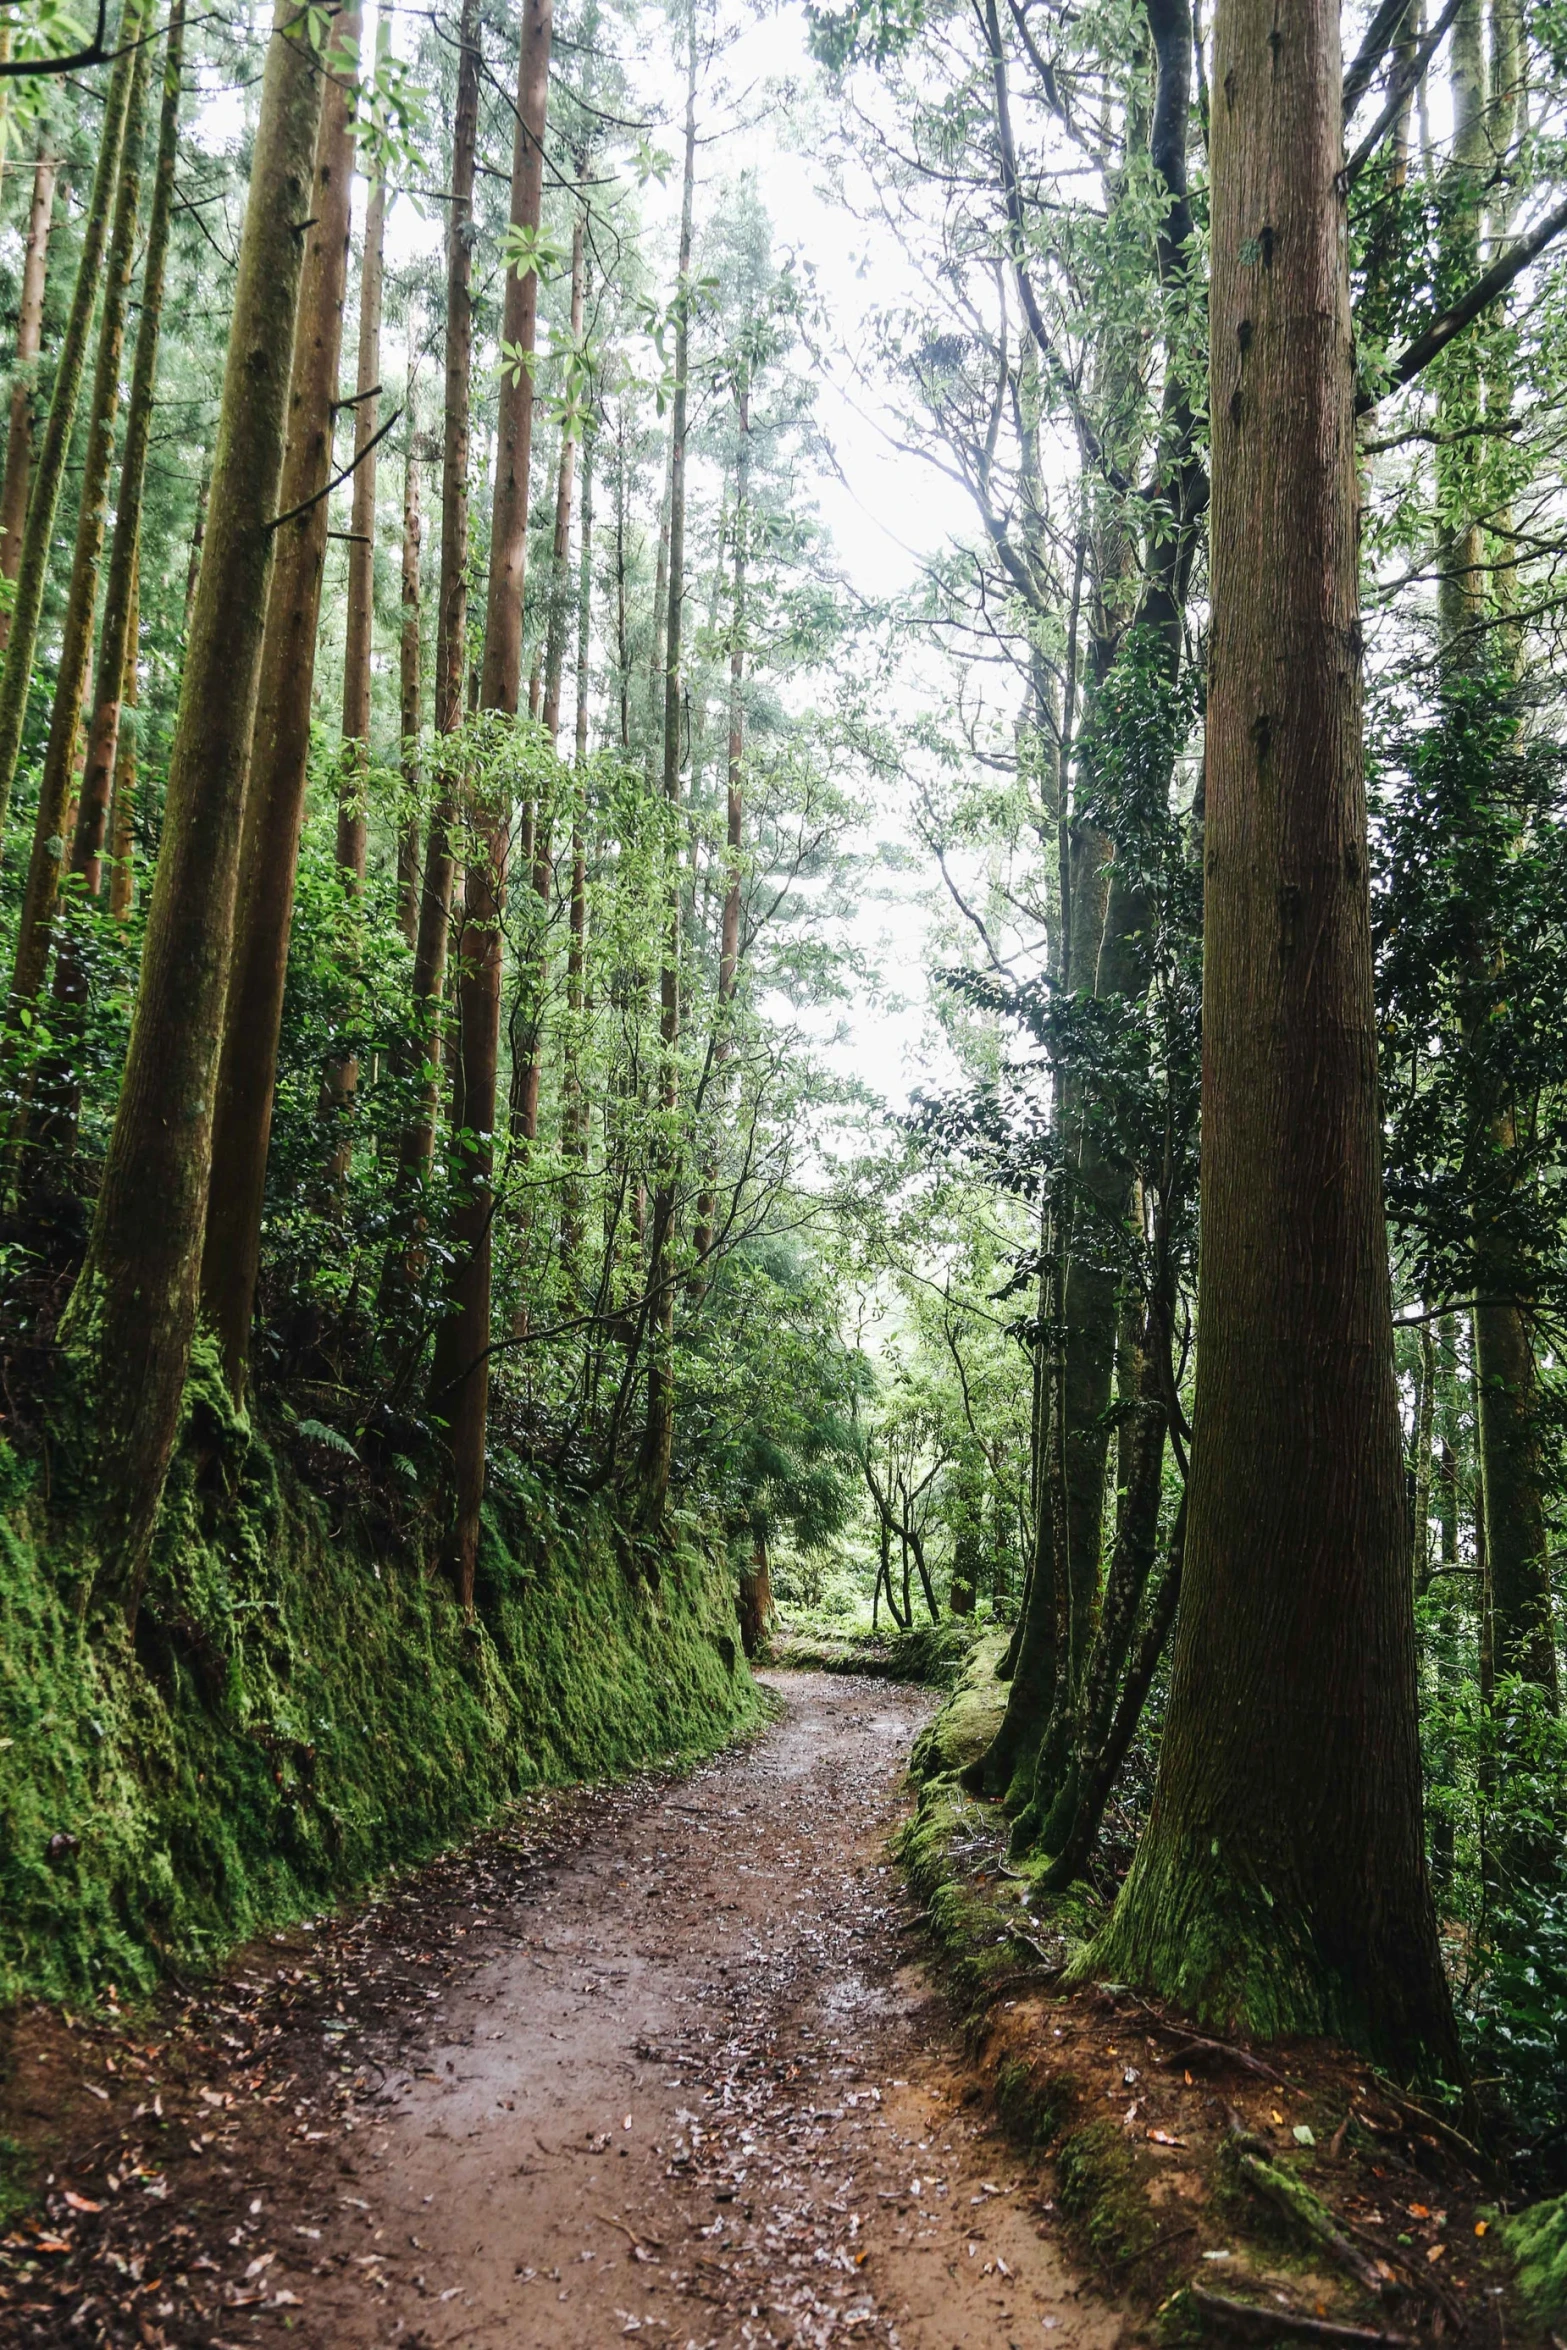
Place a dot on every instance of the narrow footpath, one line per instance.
(662, 2061)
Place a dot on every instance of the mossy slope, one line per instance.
(304, 1707)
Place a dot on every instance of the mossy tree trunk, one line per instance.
(280, 751)
(131, 1320)
(1280, 1884)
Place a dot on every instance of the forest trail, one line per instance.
(701, 2094)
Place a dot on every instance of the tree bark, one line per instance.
(461, 1377)
(24, 388)
(117, 645)
(122, 817)
(410, 694)
(32, 571)
(575, 1096)
(59, 1090)
(280, 749)
(51, 824)
(340, 1078)
(734, 835)
(131, 1319)
(451, 622)
(1280, 1885)
(658, 1436)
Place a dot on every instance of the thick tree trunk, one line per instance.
(1280, 1885)
(756, 1598)
(51, 824)
(658, 1435)
(198, 538)
(32, 571)
(409, 696)
(132, 1315)
(461, 1378)
(280, 750)
(24, 387)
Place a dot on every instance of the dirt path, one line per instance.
(699, 2094)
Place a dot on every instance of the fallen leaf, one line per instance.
(1419, 2211)
(1481, 2226)
(80, 2202)
(1163, 2138)
(1436, 2251)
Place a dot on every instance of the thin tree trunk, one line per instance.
(659, 1428)
(461, 1377)
(536, 826)
(198, 538)
(1280, 1883)
(24, 388)
(122, 820)
(351, 811)
(274, 806)
(451, 621)
(729, 923)
(32, 571)
(340, 1079)
(575, 1097)
(50, 826)
(132, 1315)
(117, 643)
(409, 693)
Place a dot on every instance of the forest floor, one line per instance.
(650, 2060)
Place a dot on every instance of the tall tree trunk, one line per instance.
(340, 1079)
(658, 1437)
(409, 697)
(132, 1315)
(461, 1377)
(275, 803)
(537, 849)
(122, 818)
(451, 620)
(50, 825)
(734, 835)
(575, 1097)
(24, 387)
(198, 538)
(117, 642)
(1280, 1883)
(32, 571)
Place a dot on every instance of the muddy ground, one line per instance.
(659, 2060)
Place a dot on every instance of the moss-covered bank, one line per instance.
(304, 1706)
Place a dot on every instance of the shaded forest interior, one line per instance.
(608, 1062)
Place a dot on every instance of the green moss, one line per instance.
(1100, 2191)
(303, 1708)
(932, 1653)
(1031, 2101)
(1537, 2240)
(969, 1720)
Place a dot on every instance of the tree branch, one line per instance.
(1485, 290)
